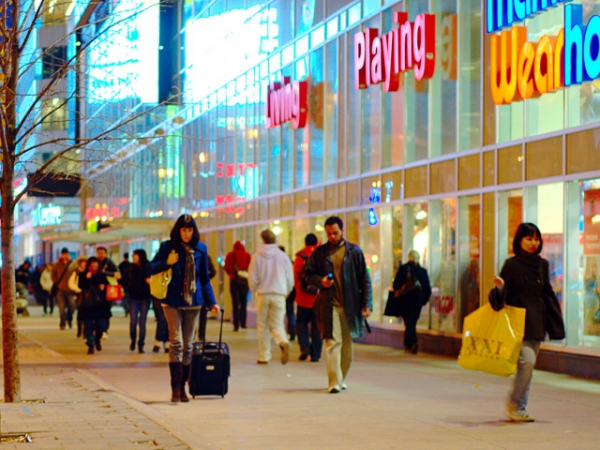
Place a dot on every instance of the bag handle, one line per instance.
(220, 333)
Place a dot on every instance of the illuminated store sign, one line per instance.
(522, 69)
(286, 102)
(383, 59)
(44, 216)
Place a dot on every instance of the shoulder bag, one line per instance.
(54, 289)
(398, 300)
(159, 284)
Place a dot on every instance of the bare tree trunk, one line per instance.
(10, 334)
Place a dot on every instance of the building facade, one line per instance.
(404, 119)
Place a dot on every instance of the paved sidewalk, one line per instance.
(63, 408)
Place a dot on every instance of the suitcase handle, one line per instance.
(220, 333)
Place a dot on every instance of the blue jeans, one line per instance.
(520, 394)
(138, 311)
(183, 324)
(162, 331)
(93, 329)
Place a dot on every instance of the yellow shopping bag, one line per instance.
(492, 340)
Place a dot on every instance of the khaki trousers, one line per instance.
(270, 315)
(338, 349)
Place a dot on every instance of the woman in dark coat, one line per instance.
(525, 282)
(412, 311)
(188, 291)
(94, 309)
(138, 288)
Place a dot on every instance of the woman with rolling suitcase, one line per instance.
(188, 290)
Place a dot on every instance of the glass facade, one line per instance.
(434, 166)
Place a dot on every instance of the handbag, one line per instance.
(492, 340)
(399, 299)
(393, 307)
(159, 284)
(114, 291)
(91, 298)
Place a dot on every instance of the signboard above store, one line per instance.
(504, 13)
(383, 59)
(46, 215)
(286, 102)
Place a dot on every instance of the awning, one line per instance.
(119, 230)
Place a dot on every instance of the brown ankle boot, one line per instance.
(185, 374)
(175, 368)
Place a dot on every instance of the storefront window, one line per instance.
(331, 113)
(370, 243)
(391, 251)
(442, 264)
(316, 103)
(353, 113)
(416, 237)
(469, 252)
(510, 216)
(582, 306)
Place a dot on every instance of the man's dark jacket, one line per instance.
(357, 288)
(413, 307)
(527, 285)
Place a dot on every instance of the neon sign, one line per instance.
(382, 59)
(286, 102)
(504, 13)
(44, 216)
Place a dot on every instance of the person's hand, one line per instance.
(215, 309)
(366, 312)
(101, 286)
(173, 258)
(498, 282)
(327, 282)
(117, 275)
(147, 280)
(88, 275)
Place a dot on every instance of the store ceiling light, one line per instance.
(596, 219)
(421, 215)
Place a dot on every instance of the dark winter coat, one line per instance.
(86, 285)
(527, 285)
(357, 288)
(204, 294)
(417, 301)
(137, 287)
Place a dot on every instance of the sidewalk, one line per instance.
(63, 408)
(394, 401)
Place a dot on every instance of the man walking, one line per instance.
(65, 300)
(311, 343)
(271, 278)
(344, 300)
(236, 265)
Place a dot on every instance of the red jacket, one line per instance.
(302, 298)
(240, 256)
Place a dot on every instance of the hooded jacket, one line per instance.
(271, 271)
(303, 299)
(240, 257)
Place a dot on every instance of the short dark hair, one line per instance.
(527, 229)
(64, 250)
(268, 236)
(101, 248)
(311, 239)
(126, 255)
(91, 260)
(334, 220)
(184, 221)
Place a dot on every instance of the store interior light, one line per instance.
(596, 219)
(276, 231)
(319, 228)
(421, 215)
(202, 157)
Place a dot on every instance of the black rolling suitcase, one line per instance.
(210, 367)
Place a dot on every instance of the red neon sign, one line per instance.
(382, 59)
(287, 102)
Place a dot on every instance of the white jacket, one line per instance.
(270, 271)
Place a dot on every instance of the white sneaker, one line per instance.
(105, 335)
(343, 386)
(520, 416)
(335, 389)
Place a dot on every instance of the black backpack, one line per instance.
(305, 286)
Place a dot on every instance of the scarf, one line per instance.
(189, 277)
(532, 260)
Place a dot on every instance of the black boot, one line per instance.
(79, 328)
(185, 375)
(175, 368)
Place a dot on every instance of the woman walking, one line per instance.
(138, 288)
(525, 282)
(95, 310)
(80, 264)
(187, 292)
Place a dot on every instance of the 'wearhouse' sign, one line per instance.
(521, 69)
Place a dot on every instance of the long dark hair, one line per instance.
(527, 229)
(89, 262)
(184, 221)
(143, 258)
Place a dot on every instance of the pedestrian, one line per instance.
(139, 298)
(46, 282)
(41, 295)
(95, 310)
(310, 341)
(189, 289)
(411, 310)
(236, 266)
(344, 301)
(110, 269)
(22, 278)
(271, 279)
(65, 300)
(123, 266)
(524, 282)
(290, 314)
(80, 265)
